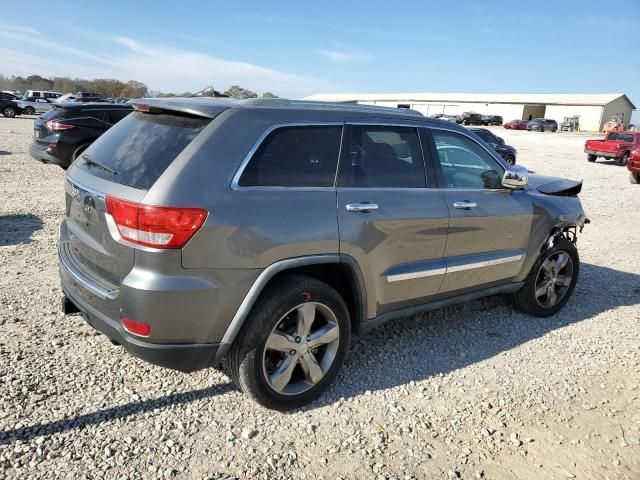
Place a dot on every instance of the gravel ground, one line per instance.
(475, 391)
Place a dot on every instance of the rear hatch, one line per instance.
(123, 163)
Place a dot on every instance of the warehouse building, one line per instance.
(592, 110)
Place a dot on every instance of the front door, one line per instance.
(490, 226)
(389, 220)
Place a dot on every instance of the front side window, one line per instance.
(465, 164)
(304, 156)
(382, 157)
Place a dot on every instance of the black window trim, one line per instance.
(438, 168)
(382, 123)
(235, 181)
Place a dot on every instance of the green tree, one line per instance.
(134, 89)
(108, 87)
(238, 92)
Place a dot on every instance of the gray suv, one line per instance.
(266, 233)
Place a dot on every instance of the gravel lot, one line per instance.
(475, 391)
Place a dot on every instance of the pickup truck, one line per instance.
(634, 166)
(616, 145)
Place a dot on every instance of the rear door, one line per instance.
(490, 226)
(125, 163)
(390, 221)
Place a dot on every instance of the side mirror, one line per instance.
(515, 177)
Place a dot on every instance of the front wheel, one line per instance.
(591, 158)
(293, 345)
(634, 178)
(510, 159)
(622, 161)
(9, 112)
(551, 281)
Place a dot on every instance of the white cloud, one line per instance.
(161, 67)
(6, 27)
(345, 54)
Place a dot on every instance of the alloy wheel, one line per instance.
(9, 112)
(301, 348)
(554, 279)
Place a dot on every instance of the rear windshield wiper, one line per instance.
(95, 162)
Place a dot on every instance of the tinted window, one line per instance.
(295, 157)
(116, 115)
(465, 164)
(624, 137)
(141, 147)
(378, 156)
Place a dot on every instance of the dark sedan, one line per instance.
(65, 131)
(497, 143)
(542, 125)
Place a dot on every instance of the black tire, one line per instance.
(245, 361)
(634, 178)
(8, 112)
(554, 129)
(525, 299)
(591, 158)
(510, 159)
(622, 161)
(541, 128)
(29, 111)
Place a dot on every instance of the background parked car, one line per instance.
(634, 166)
(516, 125)
(470, 118)
(65, 131)
(33, 105)
(41, 94)
(615, 146)
(67, 97)
(497, 143)
(542, 125)
(9, 106)
(89, 97)
(491, 120)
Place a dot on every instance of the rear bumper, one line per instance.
(183, 357)
(44, 156)
(603, 154)
(188, 310)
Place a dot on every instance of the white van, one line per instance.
(41, 94)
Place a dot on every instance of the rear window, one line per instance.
(141, 147)
(623, 137)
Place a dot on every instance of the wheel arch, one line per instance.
(340, 271)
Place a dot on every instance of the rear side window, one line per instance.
(295, 157)
(382, 157)
(138, 149)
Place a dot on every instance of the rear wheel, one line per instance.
(551, 281)
(9, 112)
(554, 129)
(591, 158)
(293, 345)
(510, 159)
(29, 111)
(634, 178)
(623, 159)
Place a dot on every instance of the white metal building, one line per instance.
(593, 109)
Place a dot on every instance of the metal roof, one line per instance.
(599, 99)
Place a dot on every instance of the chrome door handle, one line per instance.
(465, 205)
(361, 207)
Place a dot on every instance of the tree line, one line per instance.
(110, 87)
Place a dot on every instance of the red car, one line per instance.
(516, 125)
(616, 145)
(634, 166)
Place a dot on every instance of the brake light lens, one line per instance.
(141, 107)
(56, 126)
(158, 227)
(137, 328)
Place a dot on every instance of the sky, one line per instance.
(299, 48)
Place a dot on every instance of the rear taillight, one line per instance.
(56, 126)
(137, 328)
(158, 227)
